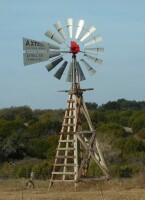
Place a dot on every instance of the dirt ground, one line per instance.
(112, 190)
(39, 194)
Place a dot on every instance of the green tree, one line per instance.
(23, 114)
(111, 105)
(91, 106)
(97, 116)
(43, 147)
(53, 141)
(14, 147)
(37, 147)
(8, 127)
(7, 114)
(41, 129)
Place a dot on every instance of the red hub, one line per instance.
(75, 48)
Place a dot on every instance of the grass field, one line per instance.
(133, 189)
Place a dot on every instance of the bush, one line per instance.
(94, 170)
(141, 133)
(6, 170)
(42, 170)
(53, 143)
(8, 127)
(38, 147)
(129, 145)
(134, 145)
(43, 147)
(111, 129)
(137, 122)
(23, 171)
(123, 171)
(97, 117)
(42, 129)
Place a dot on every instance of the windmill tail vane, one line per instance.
(76, 146)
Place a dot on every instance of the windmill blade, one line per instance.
(93, 59)
(94, 50)
(51, 46)
(91, 71)
(69, 23)
(80, 72)
(54, 37)
(96, 39)
(60, 71)
(80, 26)
(53, 64)
(60, 30)
(69, 75)
(31, 58)
(53, 54)
(88, 33)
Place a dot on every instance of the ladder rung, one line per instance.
(66, 140)
(64, 165)
(67, 124)
(70, 109)
(67, 132)
(70, 100)
(62, 156)
(69, 117)
(65, 149)
(61, 180)
(65, 173)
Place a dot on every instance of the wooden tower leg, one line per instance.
(65, 168)
(70, 164)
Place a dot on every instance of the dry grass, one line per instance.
(133, 189)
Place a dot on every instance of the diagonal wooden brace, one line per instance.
(90, 151)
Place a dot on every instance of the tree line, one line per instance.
(29, 138)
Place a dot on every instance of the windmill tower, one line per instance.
(76, 146)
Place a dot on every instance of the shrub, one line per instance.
(23, 171)
(8, 127)
(137, 122)
(141, 133)
(42, 170)
(111, 129)
(38, 147)
(94, 170)
(6, 170)
(51, 151)
(133, 145)
(129, 145)
(123, 171)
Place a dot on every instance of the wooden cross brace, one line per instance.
(90, 152)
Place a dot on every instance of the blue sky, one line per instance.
(121, 23)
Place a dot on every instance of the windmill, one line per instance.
(76, 146)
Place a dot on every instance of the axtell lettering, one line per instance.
(33, 43)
